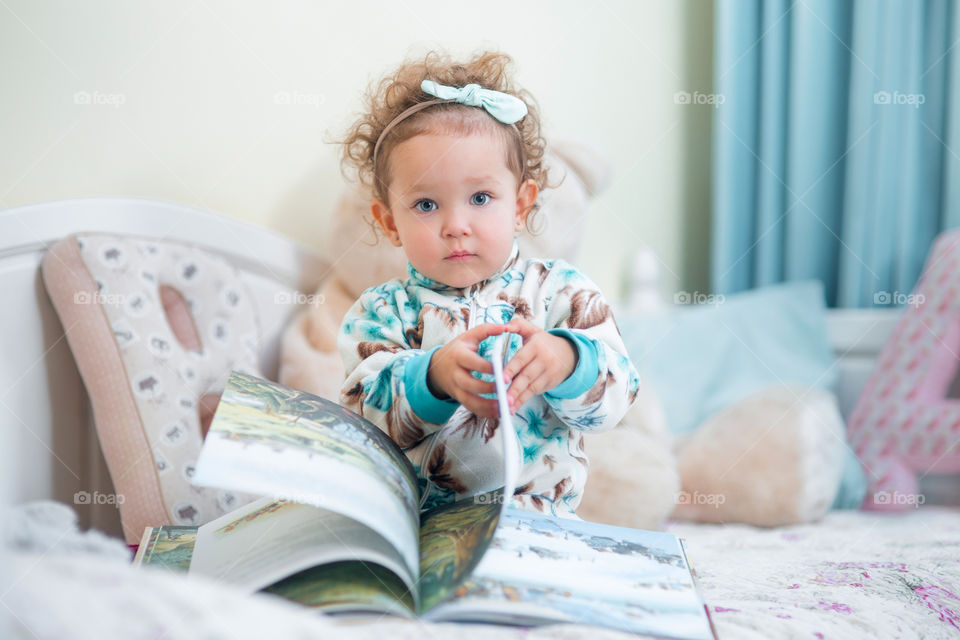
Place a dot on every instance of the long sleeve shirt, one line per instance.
(389, 335)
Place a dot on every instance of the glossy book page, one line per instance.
(271, 440)
(540, 569)
(268, 540)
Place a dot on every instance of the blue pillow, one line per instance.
(702, 358)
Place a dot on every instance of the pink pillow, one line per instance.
(907, 420)
(154, 326)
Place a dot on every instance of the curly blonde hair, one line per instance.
(399, 90)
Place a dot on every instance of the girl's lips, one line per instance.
(459, 257)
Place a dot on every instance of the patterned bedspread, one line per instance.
(853, 575)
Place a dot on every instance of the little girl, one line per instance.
(452, 154)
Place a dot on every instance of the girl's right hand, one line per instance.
(450, 371)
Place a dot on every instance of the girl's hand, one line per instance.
(543, 362)
(451, 367)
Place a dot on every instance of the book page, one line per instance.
(539, 569)
(271, 440)
(454, 537)
(349, 587)
(169, 547)
(343, 586)
(270, 539)
(511, 442)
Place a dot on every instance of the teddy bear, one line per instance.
(639, 474)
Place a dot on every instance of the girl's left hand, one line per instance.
(543, 362)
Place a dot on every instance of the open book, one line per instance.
(339, 528)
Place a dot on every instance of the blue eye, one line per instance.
(425, 206)
(480, 199)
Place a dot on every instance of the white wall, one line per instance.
(183, 104)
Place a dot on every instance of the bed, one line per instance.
(853, 574)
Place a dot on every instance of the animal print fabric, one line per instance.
(393, 324)
(166, 378)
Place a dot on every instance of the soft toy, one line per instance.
(773, 458)
(635, 479)
(907, 420)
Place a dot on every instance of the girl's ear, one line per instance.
(526, 196)
(381, 213)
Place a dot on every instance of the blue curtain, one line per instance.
(836, 150)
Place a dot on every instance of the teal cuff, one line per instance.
(427, 406)
(585, 375)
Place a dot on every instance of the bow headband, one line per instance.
(504, 107)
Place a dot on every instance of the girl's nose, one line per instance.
(456, 224)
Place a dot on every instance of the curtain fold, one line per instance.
(835, 147)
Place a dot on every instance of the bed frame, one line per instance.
(48, 443)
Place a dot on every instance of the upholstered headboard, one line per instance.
(48, 444)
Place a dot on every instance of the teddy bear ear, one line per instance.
(593, 167)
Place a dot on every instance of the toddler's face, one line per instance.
(454, 205)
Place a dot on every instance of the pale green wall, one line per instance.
(199, 123)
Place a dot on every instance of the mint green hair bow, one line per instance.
(502, 106)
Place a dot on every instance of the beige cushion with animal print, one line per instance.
(153, 326)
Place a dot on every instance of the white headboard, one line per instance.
(48, 444)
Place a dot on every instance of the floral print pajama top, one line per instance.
(388, 336)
